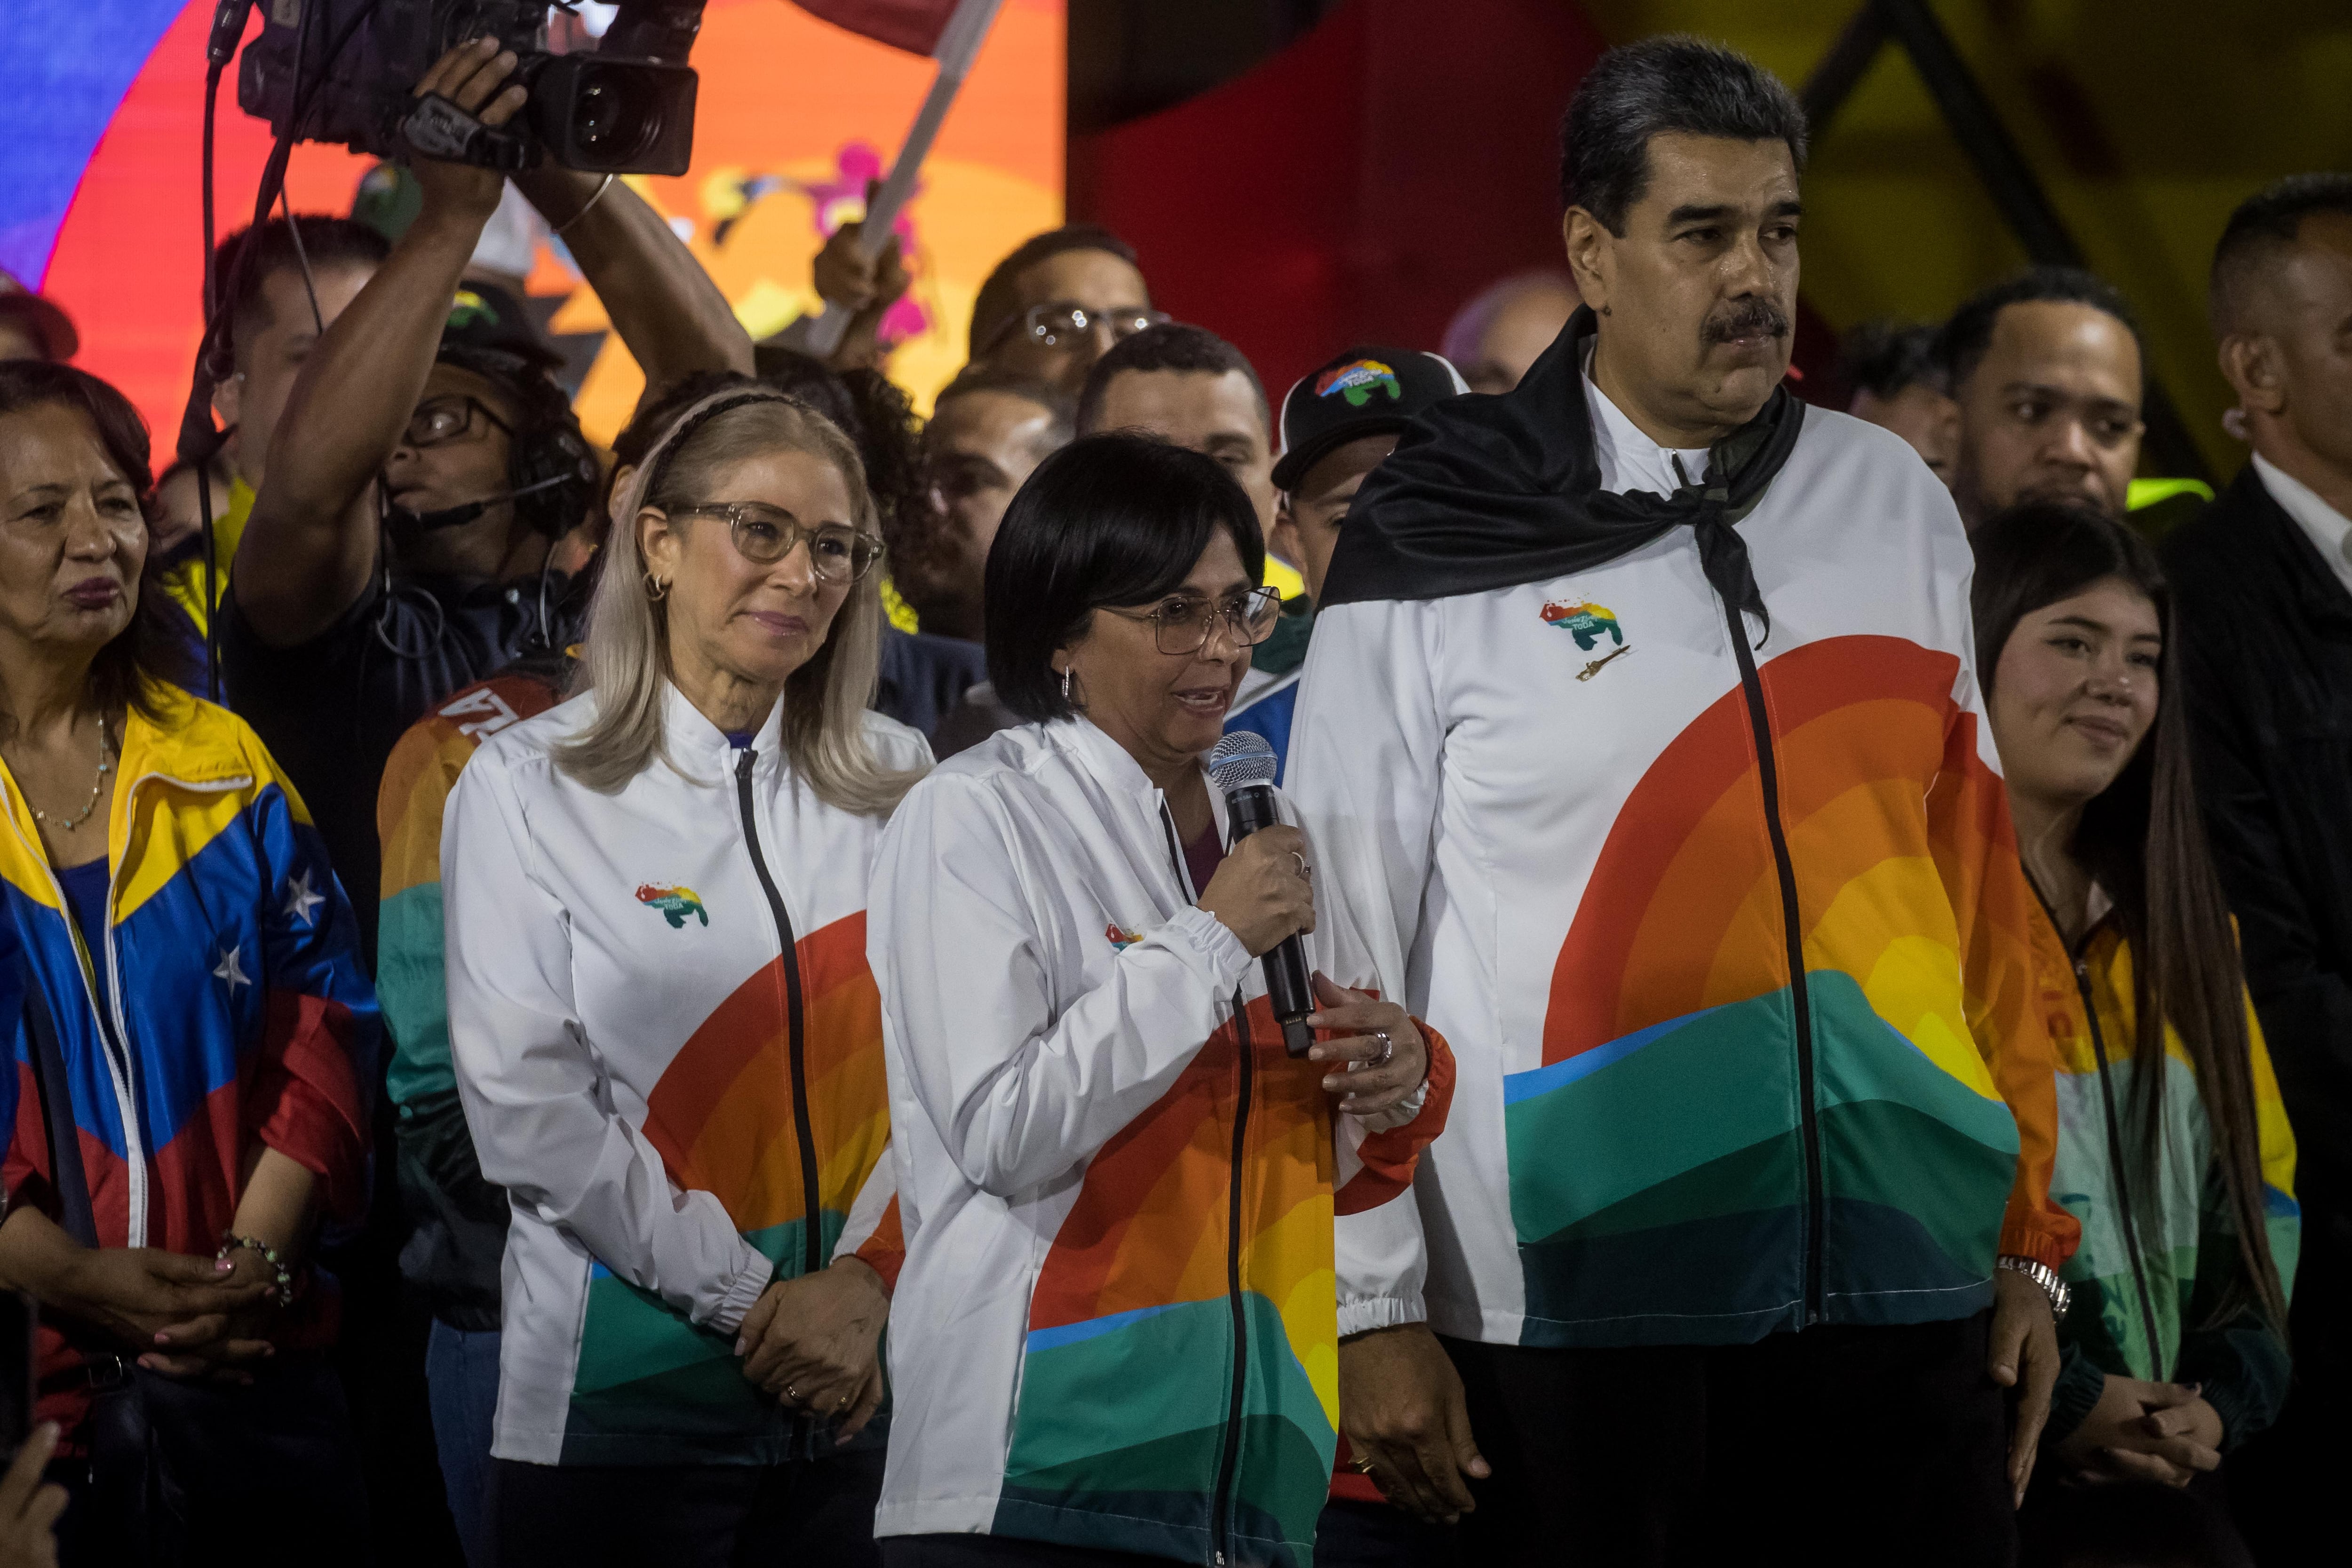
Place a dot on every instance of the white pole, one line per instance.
(959, 43)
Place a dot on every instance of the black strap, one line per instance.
(66, 1172)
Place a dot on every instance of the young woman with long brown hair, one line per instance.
(2181, 1171)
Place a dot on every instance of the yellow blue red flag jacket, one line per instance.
(2177, 1307)
(236, 993)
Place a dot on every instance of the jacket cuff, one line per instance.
(2028, 1238)
(2228, 1398)
(2072, 1399)
(752, 1277)
(1365, 1314)
(1214, 941)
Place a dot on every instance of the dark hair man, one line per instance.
(404, 540)
(1641, 747)
(1338, 421)
(1186, 385)
(1057, 304)
(989, 430)
(1507, 325)
(2265, 628)
(2045, 371)
(1898, 385)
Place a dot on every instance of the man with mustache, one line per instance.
(2045, 374)
(1641, 751)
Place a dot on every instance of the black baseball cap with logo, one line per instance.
(1367, 391)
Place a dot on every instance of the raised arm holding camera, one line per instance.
(425, 509)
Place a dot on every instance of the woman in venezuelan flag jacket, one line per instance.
(1116, 1330)
(196, 1047)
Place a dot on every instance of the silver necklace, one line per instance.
(105, 766)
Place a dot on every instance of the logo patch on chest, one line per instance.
(1588, 624)
(675, 904)
(1120, 940)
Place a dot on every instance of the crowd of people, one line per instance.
(700, 1002)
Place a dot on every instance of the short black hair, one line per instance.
(2265, 223)
(986, 377)
(1171, 345)
(1659, 86)
(994, 302)
(268, 248)
(1115, 520)
(1884, 356)
(1961, 346)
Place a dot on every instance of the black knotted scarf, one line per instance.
(1491, 492)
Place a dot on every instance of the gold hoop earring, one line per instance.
(655, 589)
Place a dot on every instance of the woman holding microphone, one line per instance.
(1115, 1340)
(666, 1039)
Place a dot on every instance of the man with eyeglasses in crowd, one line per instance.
(1056, 305)
(420, 524)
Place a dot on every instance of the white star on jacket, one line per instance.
(229, 969)
(299, 899)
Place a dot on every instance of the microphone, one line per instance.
(1243, 765)
(452, 516)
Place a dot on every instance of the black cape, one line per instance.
(1491, 492)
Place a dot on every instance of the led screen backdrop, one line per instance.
(99, 159)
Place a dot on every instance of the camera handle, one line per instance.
(437, 127)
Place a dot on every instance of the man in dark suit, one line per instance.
(2264, 587)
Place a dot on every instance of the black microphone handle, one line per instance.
(1248, 809)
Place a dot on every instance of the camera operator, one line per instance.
(410, 537)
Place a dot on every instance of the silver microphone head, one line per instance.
(1242, 759)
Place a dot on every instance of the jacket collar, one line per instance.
(700, 750)
(2313, 582)
(1108, 762)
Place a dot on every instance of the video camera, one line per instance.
(346, 71)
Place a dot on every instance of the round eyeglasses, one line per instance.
(440, 420)
(1184, 623)
(1065, 323)
(765, 534)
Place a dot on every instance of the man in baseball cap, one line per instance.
(1338, 423)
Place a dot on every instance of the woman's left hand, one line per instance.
(1360, 1022)
(814, 1343)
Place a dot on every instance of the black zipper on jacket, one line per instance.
(2115, 1131)
(1230, 1454)
(813, 1236)
(1752, 686)
(2122, 1180)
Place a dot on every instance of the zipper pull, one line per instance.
(743, 759)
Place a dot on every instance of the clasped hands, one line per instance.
(184, 1317)
(2140, 1431)
(814, 1344)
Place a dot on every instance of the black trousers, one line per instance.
(811, 1513)
(1831, 1445)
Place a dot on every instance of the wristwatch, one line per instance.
(2042, 1274)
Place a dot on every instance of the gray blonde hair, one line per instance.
(627, 659)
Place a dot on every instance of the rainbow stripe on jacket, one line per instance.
(1669, 1046)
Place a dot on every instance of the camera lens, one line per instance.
(617, 116)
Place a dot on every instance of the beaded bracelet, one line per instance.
(284, 1290)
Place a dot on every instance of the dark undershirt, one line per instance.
(85, 887)
(1204, 856)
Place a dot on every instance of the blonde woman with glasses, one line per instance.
(666, 1039)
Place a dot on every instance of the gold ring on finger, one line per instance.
(792, 1395)
(1361, 1466)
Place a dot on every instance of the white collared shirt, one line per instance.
(2330, 531)
(1630, 461)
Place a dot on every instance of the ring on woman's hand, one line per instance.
(1303, 867)
(1388, 1048)
(1361, 1466)
(792, 1395)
